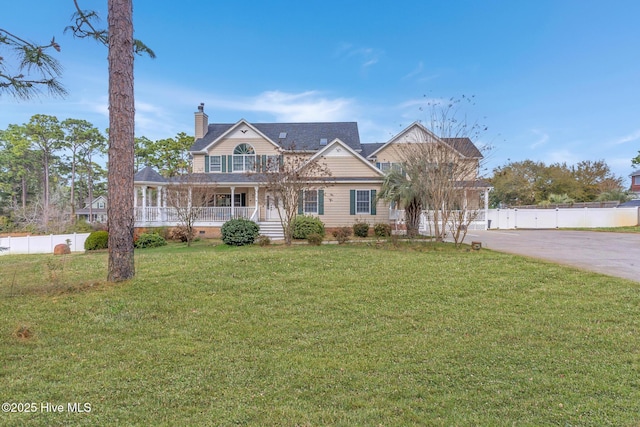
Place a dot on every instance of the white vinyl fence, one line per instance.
(41, 244)
(563, 218)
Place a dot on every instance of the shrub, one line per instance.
(315, 239)
(304, 225)
(182, 233)
(342, 234)
(382, 230)
(149, 240)
(96, 240)
(263, 240)
(361, 229)
(239, 232)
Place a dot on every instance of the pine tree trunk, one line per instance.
(121, 141)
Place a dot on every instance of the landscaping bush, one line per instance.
(304, 225)
(239, 232)
(96, 240)
(361, 229)
(315, 239)
(182, 233)
(342, 234)
(263, 240)
(382, 230)
(149, 240)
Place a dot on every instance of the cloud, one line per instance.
(292, 107)
(367, 56)
(634, 136)
(543, 138)
(561, 156)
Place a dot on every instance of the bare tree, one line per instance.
(444, 170)
(189, 195)
(288, 176)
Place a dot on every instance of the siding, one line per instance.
(198, 163)
(336, 206)
(227, 145)
(348, 167)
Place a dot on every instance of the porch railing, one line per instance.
(206, 214)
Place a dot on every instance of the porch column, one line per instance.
(160, 203)
(257, 211)
(486, 208)
(233, 199)
(144, 203)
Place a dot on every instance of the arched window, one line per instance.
(244, 158)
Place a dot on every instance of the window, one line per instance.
(363, 201)
(215, 164)
(310, 201)
(244, 158)
(272, 163)
(636, 179)
(224, 200)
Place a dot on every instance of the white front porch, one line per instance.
(205, 216)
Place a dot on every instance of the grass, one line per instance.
(333, 335)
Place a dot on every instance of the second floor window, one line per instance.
(244, 158)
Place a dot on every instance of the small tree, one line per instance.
(443, 169)
(189, 195)
(286, 178)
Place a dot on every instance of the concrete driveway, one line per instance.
(614, 254)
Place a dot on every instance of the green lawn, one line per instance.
(313, 336)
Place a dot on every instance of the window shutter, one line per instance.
(300, 202)
(378, 165)
(281, 160)
(223, 161)
(352, 202)
(373, 202)
(265, 165)
(320, 202)
(206, 163)
(230, 163)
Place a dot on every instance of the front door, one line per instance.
(271, 209)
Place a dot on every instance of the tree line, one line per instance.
(528, 182)
(50, 168)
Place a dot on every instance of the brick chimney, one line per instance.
(202, 122)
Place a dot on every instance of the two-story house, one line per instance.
(230, 155)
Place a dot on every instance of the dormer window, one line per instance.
(244, 158)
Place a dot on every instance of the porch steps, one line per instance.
(271, 229)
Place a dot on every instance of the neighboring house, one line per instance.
(635, 182)
(94, 211)
(226, 156)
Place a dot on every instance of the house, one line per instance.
(94, 210)
(635, 182)
(228, 155)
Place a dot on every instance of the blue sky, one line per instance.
(553, 80)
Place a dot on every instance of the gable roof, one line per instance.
(297, 136)
(335, 142)
(370, 148)
(463, 146)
